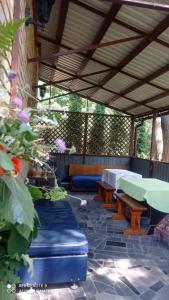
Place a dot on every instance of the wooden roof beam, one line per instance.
(94, 85)
(104, 64)
(151, 99)
(81, 49)
(71, 78)
(91, 99)
(142, 3)
(100, 33)
(163, 25)
(64, 5)
(146, 80)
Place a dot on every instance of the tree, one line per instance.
(96, 137)
(74, 128)
(144, 140)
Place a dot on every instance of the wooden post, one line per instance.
(132, 136)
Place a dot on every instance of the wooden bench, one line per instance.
(105, 192)
(136, 210)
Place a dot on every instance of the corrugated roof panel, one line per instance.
(93, 67)
(162, 80)
(141, 18)
(149, 60)
(113, 54)
(96, 78)
(160, 103)
(79, 84)
(87, 92)
(70, 63)
(139, 110)
(103, 95)
(120, 82)
(165, 35)
(81, 27)
(122, 103)
(101, 5)
(144, 92)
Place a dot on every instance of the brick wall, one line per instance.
(23, 47)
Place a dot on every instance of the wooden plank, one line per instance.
(129, 201)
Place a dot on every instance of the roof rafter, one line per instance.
(100, 33)
(119, 22)
(87, 97)
(81, 49)
(151, 99)
(61, 24)
(138, 49)
(71, 78)
(142, 3)
(94, 85)
(71, 92)
(147, 79)
(103, 64)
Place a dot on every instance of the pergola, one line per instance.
(113, 52)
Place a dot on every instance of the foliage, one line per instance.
(7, 32)
(144, 140)
(97, 131)
(55, 194)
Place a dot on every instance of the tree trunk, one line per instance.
(157, 146)
(165, 131)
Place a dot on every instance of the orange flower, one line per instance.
(17, 164)
(2, 148)
(1, 171)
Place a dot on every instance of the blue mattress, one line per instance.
(88, 182)
(50, 205)
(59, 242)
(57, 219)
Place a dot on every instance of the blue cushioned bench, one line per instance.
(85, 177)
(60, 251)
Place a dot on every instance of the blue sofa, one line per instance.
(60, 251)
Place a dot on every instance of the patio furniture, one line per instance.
(85, 177)
(136, 210)
(60, 251)
(105, 192)
(112, 176)
(154, 191)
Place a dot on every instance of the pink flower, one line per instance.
(24, 116)
(11, 74)
(60, 145)
(17, 102)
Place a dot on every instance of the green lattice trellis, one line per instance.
(92, 133)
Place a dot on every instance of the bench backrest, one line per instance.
(77, 169)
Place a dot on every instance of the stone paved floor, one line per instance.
(133, 267)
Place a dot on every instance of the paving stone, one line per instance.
(148, 295)
(157, 286)
(113, 243)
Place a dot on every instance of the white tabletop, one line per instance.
(112, 176)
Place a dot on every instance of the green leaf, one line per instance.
(5, 161)
(7, 33)
(16, 204)
(17, 244)
(35, 192)
(23, 230)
